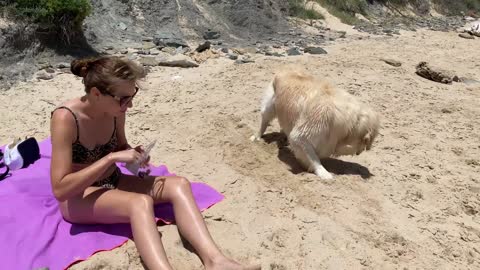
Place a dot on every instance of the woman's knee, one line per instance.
(180, 184)
(174, 186)
(140, 203)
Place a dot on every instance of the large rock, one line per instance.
(436, 74)
(178, 60)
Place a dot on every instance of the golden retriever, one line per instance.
(318, 119)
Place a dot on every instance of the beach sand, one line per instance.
(419, 209)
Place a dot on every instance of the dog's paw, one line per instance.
(254, 138)
(324, 175)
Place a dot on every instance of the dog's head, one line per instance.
(361, 137)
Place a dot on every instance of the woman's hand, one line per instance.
(145, 157)
(127, 156)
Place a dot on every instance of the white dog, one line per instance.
(319, 120)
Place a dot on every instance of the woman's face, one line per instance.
(119, 98)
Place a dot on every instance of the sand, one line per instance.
(412, 202)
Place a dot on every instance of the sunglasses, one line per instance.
(123, 100)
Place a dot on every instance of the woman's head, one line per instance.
(111, 81)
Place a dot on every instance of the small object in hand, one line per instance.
(135, 167)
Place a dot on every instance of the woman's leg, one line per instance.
(188, 218)
(98, 205)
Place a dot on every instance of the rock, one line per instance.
(178, 60)
(203, 47)
(251, 50)
(203, 56)
(147, 39)
(122, 26)
(43, 75)
(154, 51)
(43, 65)
(168, 40)
(124, 51)
(148, 45)
(445, 110)
(388, 31)
(149, 61)
(314, 50)
(63, 65)
(50, 70)
(239, 51)
(225, 50)
(232, 56)
(466, 36)
(143, 52)
(277, 54)
(435, 74)
(342, 34)
(244, 60)
(294, 51)
(108, 48)
(181, 50)
(392, 62)
(169, 50)
(211, 35)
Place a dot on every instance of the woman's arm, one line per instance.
(66, 184)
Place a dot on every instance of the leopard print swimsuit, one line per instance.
(83, 155)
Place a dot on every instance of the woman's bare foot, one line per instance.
(228, 264)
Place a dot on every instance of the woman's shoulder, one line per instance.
(66, 110)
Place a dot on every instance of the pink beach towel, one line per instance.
(34, 234)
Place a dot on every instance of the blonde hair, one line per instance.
(103, 72)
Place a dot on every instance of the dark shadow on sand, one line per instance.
(332, 165)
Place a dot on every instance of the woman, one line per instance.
(88, 138)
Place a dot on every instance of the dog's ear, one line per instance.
(367, 140)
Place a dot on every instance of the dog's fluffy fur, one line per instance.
(319, 120)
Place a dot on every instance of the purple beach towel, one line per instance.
(34, 234)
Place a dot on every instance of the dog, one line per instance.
(318, 119)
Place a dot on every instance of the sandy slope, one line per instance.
(419, 209)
